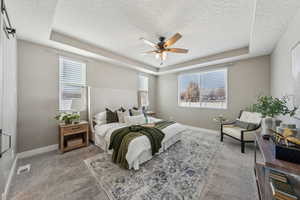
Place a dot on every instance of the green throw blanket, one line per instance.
(121, 138)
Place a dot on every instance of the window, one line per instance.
(72, 79)
(143, 96)
(203, 90)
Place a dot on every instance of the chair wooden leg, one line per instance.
(221, 131)
(243, 147)
(242, 142)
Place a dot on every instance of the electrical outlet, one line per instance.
(24, 169)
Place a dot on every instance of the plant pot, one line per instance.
(269, 123)
(69, 121)
(266, 124)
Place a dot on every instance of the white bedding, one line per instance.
(139, 150)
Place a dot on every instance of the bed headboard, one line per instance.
(101, 98)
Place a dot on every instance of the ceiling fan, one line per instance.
(161, 48)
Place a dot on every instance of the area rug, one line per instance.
(180, 173)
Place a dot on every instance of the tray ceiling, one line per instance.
(209, 27)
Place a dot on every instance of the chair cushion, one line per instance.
(251, 117)
(235, 132)
(245, 125)
(241, 124)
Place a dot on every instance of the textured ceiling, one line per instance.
(32, 18)
(209, 27)
(271, 19)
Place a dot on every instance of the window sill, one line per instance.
(204, 107)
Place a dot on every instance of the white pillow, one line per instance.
(135, 120)
(121, 115)
(101, 116)
(136, 112)
(99, 122)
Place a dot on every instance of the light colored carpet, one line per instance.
(56, 176)
(179, 173)
(192, 169)
(233, 175)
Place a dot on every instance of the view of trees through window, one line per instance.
(206, 89)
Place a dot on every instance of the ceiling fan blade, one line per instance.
(149, 43)
(149, 52)
(177, 50)
(172, 40)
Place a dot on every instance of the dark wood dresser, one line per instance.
(269, 162)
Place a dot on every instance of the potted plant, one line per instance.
(270, 107)
(68, 118)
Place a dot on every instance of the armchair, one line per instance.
(245, 134)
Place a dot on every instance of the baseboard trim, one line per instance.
(202, 129)
(37, 151)
(10, 176)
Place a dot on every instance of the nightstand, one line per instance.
(73, 136)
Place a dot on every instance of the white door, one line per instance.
(3, 143)
(9, 101)
(8, 92)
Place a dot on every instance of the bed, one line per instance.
(139, 150)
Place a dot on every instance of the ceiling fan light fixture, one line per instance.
(161, 48)
(157, 55)
(164, 55)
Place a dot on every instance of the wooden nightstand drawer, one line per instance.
(74, 129)
(73, 136)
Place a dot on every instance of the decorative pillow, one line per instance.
(133, 120)
(245, 125)
(101, 116)
(134, 112)
(251, 126)
(241, 124)
(99, 122)
(111, 116)
(121, 115)
(122, 109)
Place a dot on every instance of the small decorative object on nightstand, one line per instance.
(73, 136)
(150, 113)
(219, 120)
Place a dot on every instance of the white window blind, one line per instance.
(143, 91)
(143, 83)
(72, 78)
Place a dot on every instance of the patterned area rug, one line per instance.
(180, 173)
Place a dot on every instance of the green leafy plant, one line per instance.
(67, 118)
(271, 106)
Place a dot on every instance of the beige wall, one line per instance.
(281, 64)
(246, 80)
(38, 90)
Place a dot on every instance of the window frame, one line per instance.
(141, 91)
(60, 68)
(225, 69)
